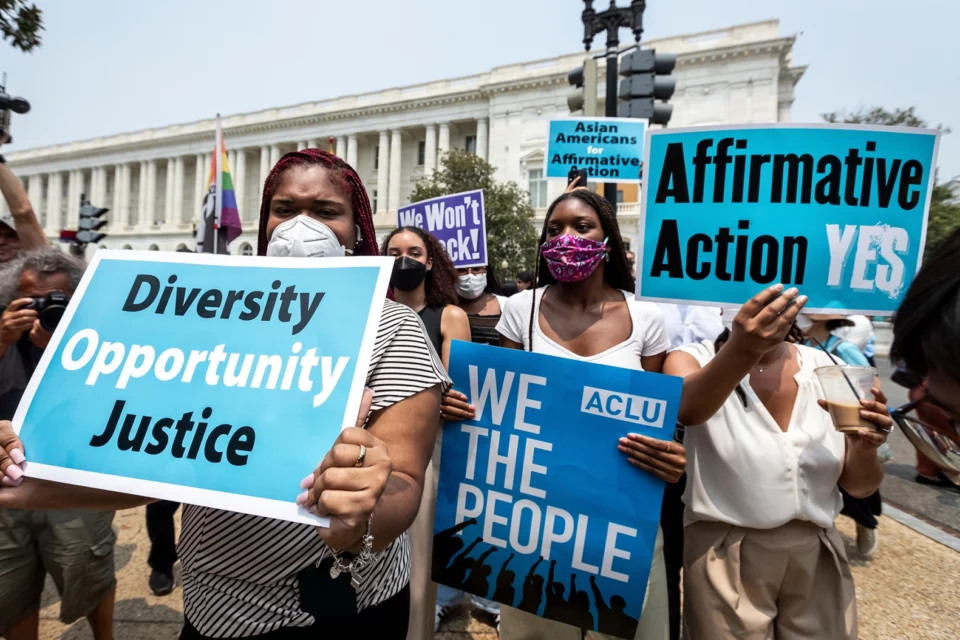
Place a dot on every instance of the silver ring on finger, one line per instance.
(668, 447)
(361, 457)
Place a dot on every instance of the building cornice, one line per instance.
(457, 91)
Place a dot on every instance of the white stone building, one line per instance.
(152, 180)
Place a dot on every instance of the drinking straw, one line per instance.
(856, 394)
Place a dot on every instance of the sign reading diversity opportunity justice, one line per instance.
(457, 221)
(536, 507)
(211, 380)
(839, 211)
(610, 149)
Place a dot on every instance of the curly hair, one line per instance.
(44, 262)
(440, 284)
(344, 178)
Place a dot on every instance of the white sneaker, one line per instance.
(867, 541)
(442, 612)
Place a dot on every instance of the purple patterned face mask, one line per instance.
(573, 258)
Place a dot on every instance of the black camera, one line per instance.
(9, 103)
(49, 309)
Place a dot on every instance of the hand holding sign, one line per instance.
(665, 459)
(349, 482)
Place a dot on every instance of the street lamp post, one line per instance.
(612, 19)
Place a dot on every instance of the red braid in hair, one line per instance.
(343, 177)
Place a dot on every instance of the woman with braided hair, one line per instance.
(246, 576)
(582, 307)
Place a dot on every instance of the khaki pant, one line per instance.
(423, 591)
(74, 547)
(520, 625)
(788, 583)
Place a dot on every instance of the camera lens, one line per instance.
(50, 317)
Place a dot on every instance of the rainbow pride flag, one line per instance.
(220, 220)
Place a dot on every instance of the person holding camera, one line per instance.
(74, 547)
(21, 230)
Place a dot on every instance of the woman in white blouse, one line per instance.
(762, 558)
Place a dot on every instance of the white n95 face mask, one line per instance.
(304, 237)
(470, 286)
(803, 322)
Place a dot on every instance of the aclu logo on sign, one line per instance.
(623, 406)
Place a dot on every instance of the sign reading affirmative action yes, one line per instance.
(211, 380)
(839, 211)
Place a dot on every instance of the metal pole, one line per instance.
(610, 188)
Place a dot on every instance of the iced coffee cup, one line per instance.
(843, 389)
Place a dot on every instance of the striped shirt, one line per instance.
(240, 571)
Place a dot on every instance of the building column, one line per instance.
(394, 189)
(169, 193)
(35, 194)
(264, 169)
(443, 145)
(151, 192)
(383, 172)
(274, 155)
(302, 145)
(142, 195)
(341, 148)
(482, 138)
(177, 191)
(73, 199)
(352, 151)
(430, 154)
(54, 203)
(116, 217)
(101, 190)
(240, 181)
(199, 184)
(313, 144)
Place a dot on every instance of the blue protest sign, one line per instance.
(536, 507)
(610, 149)
(213, 380)
(457, 221)
(839, 211)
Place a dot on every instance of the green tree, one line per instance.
(21, 24)
(511, 239)
(944, 206)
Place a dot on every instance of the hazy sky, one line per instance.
(109, 66)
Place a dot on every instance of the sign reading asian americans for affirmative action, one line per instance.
(458, 221)
(211, 380)
(839, 211)
(609, 149)
(536, 507)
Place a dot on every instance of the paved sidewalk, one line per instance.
(911, 591)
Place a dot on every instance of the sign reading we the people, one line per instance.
(839, 211)
(458, 221)
(609, 149)
(536, 507)
(211, 380)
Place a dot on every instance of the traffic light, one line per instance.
(645, 82)
(584, 96)
(90, 221)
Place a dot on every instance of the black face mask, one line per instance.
(407, 274)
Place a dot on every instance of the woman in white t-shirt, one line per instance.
(584, 309)
(762, 558)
